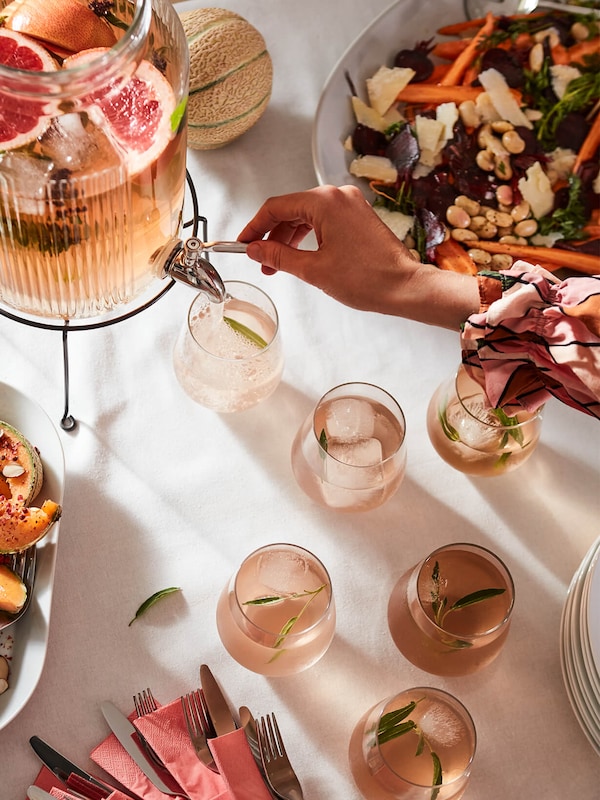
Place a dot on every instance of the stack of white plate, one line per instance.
(580, 645)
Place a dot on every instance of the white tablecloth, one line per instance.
(161, 492)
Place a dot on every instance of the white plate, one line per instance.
(31, 632)
(402, 25)
(579, 692)
(593, 616)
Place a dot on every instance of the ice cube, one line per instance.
(282, 572)
(354, 473)
(77, 145)
(23, 180)
(441, 726)
(472, 432)
(358, 452)
(349, 418)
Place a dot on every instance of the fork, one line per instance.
(197, 720)
(145, 703)
(280, 775)
(22, 564)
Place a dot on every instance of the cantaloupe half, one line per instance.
(13, 592)
(21, 471)
(21, 526)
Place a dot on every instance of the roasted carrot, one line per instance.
(426, 93)
(438, 73)
(569, 259)
(575, 54)
(590, 145)
(470, 75)
(450, 255)
(449, 50)
(454, 75)
(458, 28)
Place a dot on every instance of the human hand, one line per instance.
(359, 261)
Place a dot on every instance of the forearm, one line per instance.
(427, 294)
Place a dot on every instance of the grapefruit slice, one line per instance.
(67, 25)
(22, 120)
(135, 115)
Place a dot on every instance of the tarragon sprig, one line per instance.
(396, 723)
(440, 608)
(246, 332)
(291, 622)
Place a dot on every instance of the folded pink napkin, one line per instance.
(47, 780)
(166, 731)
(238, 767)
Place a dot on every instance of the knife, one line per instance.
(221, 715)
(124, 730)
(64, 769)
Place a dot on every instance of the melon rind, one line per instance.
(22, 527)
(231, 76)
(16, 449)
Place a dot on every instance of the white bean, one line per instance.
(457, 217)
(513, 142)
(463, 235)
(472, 207)
(521, 211)
(511, 239)
(504, 195)
(500, 218)
(480, 257)
(502, 167)
(501, 261)
(526, 227)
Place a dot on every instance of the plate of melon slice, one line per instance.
(29, 635)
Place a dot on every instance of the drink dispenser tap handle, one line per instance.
(186, 264)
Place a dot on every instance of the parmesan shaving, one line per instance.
(385, 85)
(535, 188)
(502, 98)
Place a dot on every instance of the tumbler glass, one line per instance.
(417, 745)
(473, 436)
(350, 453)
(229, 355)
(276, 616)
(450, 614)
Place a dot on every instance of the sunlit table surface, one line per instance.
(161, 492)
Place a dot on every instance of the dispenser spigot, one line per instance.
(185, 263)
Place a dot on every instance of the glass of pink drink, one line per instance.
(276, 616)
(451, 613)
(229, 356)
(417, 745)
(473, 436)
(350, 453)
